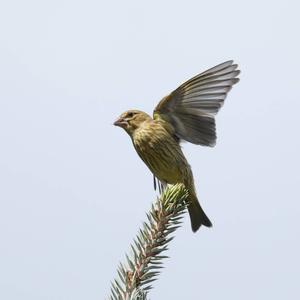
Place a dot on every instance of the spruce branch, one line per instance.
(135, 278)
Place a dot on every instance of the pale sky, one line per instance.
(73, 192)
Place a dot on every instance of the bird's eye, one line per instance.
(130, 115)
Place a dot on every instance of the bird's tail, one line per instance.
(197, 215)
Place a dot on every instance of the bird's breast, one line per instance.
(161, 153)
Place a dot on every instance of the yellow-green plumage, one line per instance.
(188, 114)
(162, 153)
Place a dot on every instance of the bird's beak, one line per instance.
(120, 122)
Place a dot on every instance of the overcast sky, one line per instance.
(73, 192)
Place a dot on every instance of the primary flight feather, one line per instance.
(185, 114)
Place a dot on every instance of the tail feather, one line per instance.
(197, 215)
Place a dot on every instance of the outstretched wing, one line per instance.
(190, 109)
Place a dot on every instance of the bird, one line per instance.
(186, 114)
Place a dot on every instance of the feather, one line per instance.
(190, 109)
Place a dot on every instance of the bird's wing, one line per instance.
(190, 109)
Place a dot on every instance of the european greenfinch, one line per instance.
(186, 114)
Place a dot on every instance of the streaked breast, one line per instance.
(160, 152)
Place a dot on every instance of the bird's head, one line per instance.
(131, 120)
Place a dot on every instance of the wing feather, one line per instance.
(190, 109)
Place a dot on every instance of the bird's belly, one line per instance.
(170, 174)
(163, 157)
